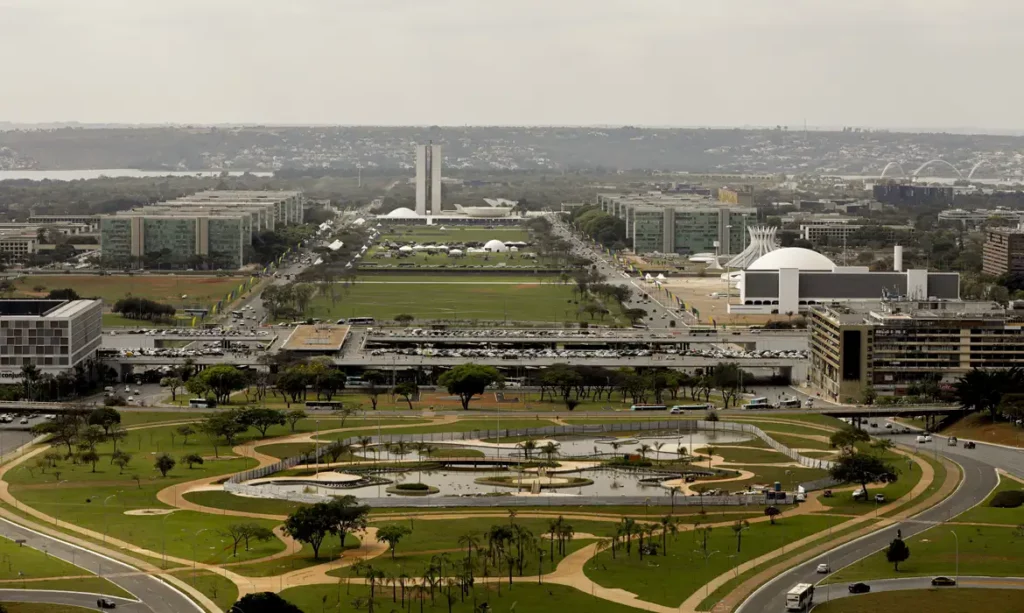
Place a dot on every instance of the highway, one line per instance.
(824, 593)
(979, 479)
(155, 595)
(75, 599)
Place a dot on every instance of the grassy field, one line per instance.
(797, 442)
(39, 607)
(32, 563)
(524, 597)
(92, 585)
(985, 514)
(461, 298)
(224, 500)
(135, 418)
(933, 601)
(167, 289)
(434, 234)
(987, 551)
(745, 456)
(303, 558)
(670, 579)
(218, 589)
(979, 427)
(909, 476)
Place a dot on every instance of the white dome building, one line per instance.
(792, 257)
(401, 212)
(405, 249)
(495, 246)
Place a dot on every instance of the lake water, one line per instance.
(78, 175)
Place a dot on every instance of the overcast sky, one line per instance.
(880, 63)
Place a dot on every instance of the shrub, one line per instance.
(1010, 499)
(416, 487)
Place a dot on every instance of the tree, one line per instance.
(738, 527)
(63, 430)
(174, 383)
(374, 380)
(404, 318)
(261, 419)
(184, 431)
(104, 417)
(711, 416)
(92, 436)
(348, 516)
(771, 513)
(847, 438)
(728, 377)
(897, 552)
(392, 534)
(254, 532)
(164, 463)
(635, 315)
(263, 602)
(983, 390)
(121, 459)
(407, 390)
(90, 456)
(294, 417)
(116, 435)
(862, 468)
(222, 380)
(311, 524)
(468, 380)
(191, 459)
(869, 395)
(223, 424)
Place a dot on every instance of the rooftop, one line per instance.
(888, 312)
(43, 308)
(319, 337)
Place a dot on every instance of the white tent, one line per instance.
(475, 250)
(648, 277)
(441, 247)
(336, 245)
(359, 222)
(661, 277)
(513, 248)
(495, 246)
(405, 249)
(455, 252)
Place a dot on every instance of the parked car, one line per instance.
(879, 498)
(824, 569)
(827, 494)
(859, 588)
(943, 582)
(106, 603)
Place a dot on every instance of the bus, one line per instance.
(237, 314)
(361, 321)
(331, 405)
(648, 407)
(800, 597)
(757, 403)
(790, 403)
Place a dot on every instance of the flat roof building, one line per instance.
(680, 223)
(52, 335)
(892, 345)
(212, 229)
(1003, 251)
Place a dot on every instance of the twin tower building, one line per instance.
(428, 179)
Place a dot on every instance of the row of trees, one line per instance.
(291, 300)
(143, 308)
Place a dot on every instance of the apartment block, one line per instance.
(892, 345)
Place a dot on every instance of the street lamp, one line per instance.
(707, 556)
(956, 575)
(194, 540)
(106, 518)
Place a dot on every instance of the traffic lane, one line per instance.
(838, 590)
(1009, 459)
(75, 599)
(156, 596)
(979, 479)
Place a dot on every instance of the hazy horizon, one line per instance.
(915, 65)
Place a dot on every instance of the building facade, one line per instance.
(836, 233)
(429, 163)
(52, 335)
(890, 346)
(1003, 251)
(209, 228)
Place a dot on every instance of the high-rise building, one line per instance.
(1003, 251)
(52, 335)
(428, 179)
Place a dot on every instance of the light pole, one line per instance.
(106, 518)
(194, 539)
(316, 449)
(707, 556)
(956, 575)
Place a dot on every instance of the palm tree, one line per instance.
(554, 526)
(628, 526)
(711, 451)
(550, 450)
(738, 527)
(643, 450)
(472, 541)
(668, 525)
(528, 447)
(29, 374)
(565, 536)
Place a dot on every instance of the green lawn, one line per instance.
(32, 563)
(796, 442)
(39, 607)
(747, 456)
(84, 506)
(168, 289)
(113, 320)
(934, 601)
(776, 427)
(790, 477)
(524, 597)
(940, 476)
(303, 558)
(224, 500)
(987, 551)
(218, 589)
(135, 418)
(985, 514)
(92, 585)
(434, 234)
(464, 299)
(448, 262)
(909, 476)
(456, 453)
(670, 579)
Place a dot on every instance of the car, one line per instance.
(874, 424)
(24, 420)
(824, 569)
(859, 588)
(106, 603)
(951, 441)
(943, 582)
(859, 493)
(969, 445)
(879, 498)
(888, 426)
(827, 494)
(131, 398)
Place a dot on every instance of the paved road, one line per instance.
(824, 594)
(78, 599)
(979, 479)
(155, 595)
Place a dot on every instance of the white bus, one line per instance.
(790, 403)
(648, 407)
(800, 597)
(757, 403)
